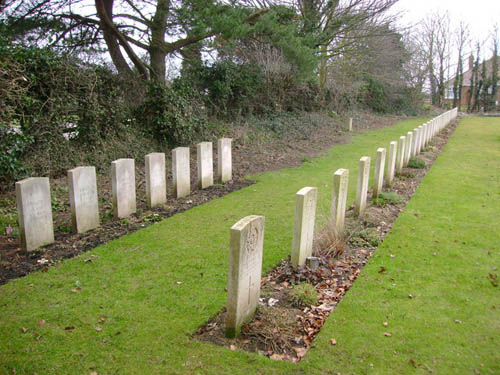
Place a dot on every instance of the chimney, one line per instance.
(471, 62)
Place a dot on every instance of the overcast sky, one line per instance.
(480, 15)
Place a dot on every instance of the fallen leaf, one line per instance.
(387, 334)
(102, 319)
(385, 324)
(41, 322)
(382, 270)
(493, 278)
(93, 373)
(98, 329)
(412, 362)
(333, 341)
(301, 352)
(69, 328)
(178, 282)
(410, 296)
(24, 330)
(233, 347)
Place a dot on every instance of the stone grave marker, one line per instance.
(156, 179)
(83, 199)
(378, 180)
(391, 163)
(362, 187)
(34, 212)
(224, 160)
(350, 124)
(400, 154)
(245, 267)
(409, 142)
(339, 199)
(205, 165)
(181, 172)
(123, 186)
(303, 230)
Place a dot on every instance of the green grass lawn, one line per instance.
(146, 293)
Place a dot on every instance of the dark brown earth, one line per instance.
(282, 329)
(249, 156)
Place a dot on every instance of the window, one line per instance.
(449, 93)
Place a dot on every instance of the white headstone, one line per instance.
(224, 160)
(303, 230)
(83, 199)
(245, 268)
(123, 184)
(378, 180)
(339, 199)
(181, 172)
(205, 165)
(362, 188)
(34, 212)
(350, 124)
(156, 179)
(400, 154)
(391, 163)
(414, 143)
(409, 142)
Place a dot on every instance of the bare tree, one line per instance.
(462, 35)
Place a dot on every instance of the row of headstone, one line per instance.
(247, 235)
(34, 202)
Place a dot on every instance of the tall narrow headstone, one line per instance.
(245, 267)
(414, 144)
(362, 188)
(350, 124)
(409, 142)
(205, 165)
(303, 230)
(391, 163)
(400, 154)
(156, 179)
(378, 181)
(224, 160)
(339, 199)
(83, 199)
(181, 174)
(123, 184)
(34, 212)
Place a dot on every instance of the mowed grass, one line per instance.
(144, 295)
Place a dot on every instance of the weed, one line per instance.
(416, 163)
(329, 242)
(63, 228)
(369, 237)
(388, 198)
(303, 295)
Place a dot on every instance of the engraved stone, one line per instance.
(378, 180)
(181, 175)
(391, 163)
(205, 165)
(224, 160)
(123, 184)
(303, 230)
(34, 212)
(362, 187)
(400, 154)
(83, 199)
(245, 267)
(339, 199)
(156, 180)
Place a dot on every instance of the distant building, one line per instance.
(466, 85)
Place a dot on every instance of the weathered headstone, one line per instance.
(123, 184)
(414, 144)
(362, 188)
(181, 173)
(156, 179)
(400, 154)
(83, 199)
(339, 199)
(34, 212)
(303, 230)
(224, 160)
(378, 180)
(245, 268)
(350, 124)
(391, 163)
(205, 165)
(409, 142)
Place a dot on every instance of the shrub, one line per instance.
(366, 238)
(416, 163)
(388, 198)
(169, 114)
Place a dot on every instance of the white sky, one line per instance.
(480, 15)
